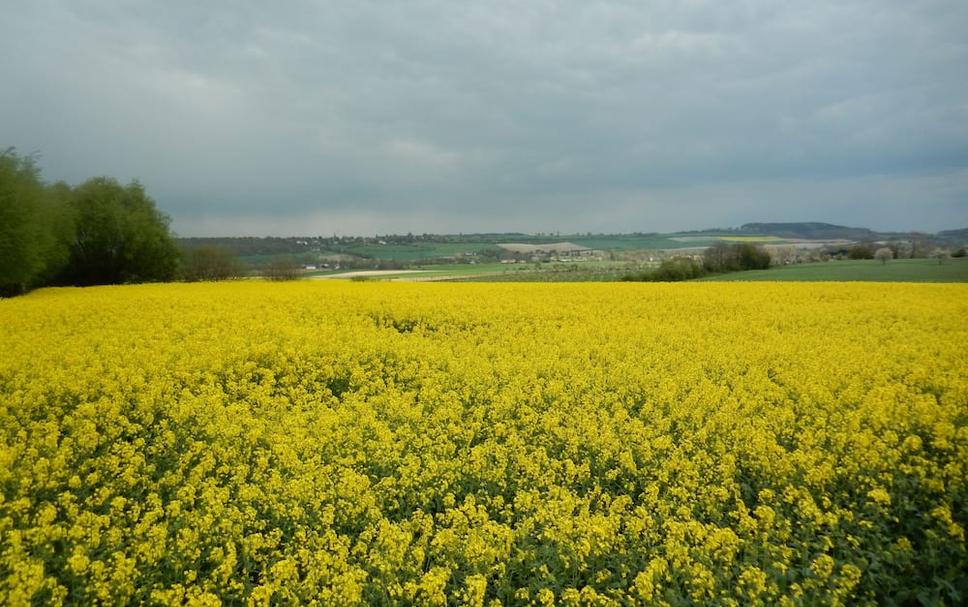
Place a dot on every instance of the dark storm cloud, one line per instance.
(314, 117)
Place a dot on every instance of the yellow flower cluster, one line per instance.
(473, 444)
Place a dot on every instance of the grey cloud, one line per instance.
(498, 115)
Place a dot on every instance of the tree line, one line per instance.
(98, 232)
(717, 259)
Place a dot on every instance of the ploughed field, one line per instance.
(485, 444)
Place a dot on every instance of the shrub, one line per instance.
(670, 270)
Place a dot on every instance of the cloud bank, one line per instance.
(364, 117)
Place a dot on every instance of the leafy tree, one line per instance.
(210, 262)
(895, 247)
(282, 268)
(920, 245)
(33, 225)
(718, 257)
(861, 251)
(884, 254)
(119, 236)
(752, 257)
(723, 257)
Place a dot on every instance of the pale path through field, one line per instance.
(365, 274)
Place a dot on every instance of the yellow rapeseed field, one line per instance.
(485, 444)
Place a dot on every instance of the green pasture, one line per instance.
(897, 270)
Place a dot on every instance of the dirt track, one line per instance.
(365, 273)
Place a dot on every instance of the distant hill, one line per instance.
(959, 236)
(811, 230)
(411, 247)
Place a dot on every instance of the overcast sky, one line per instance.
(439, 116)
